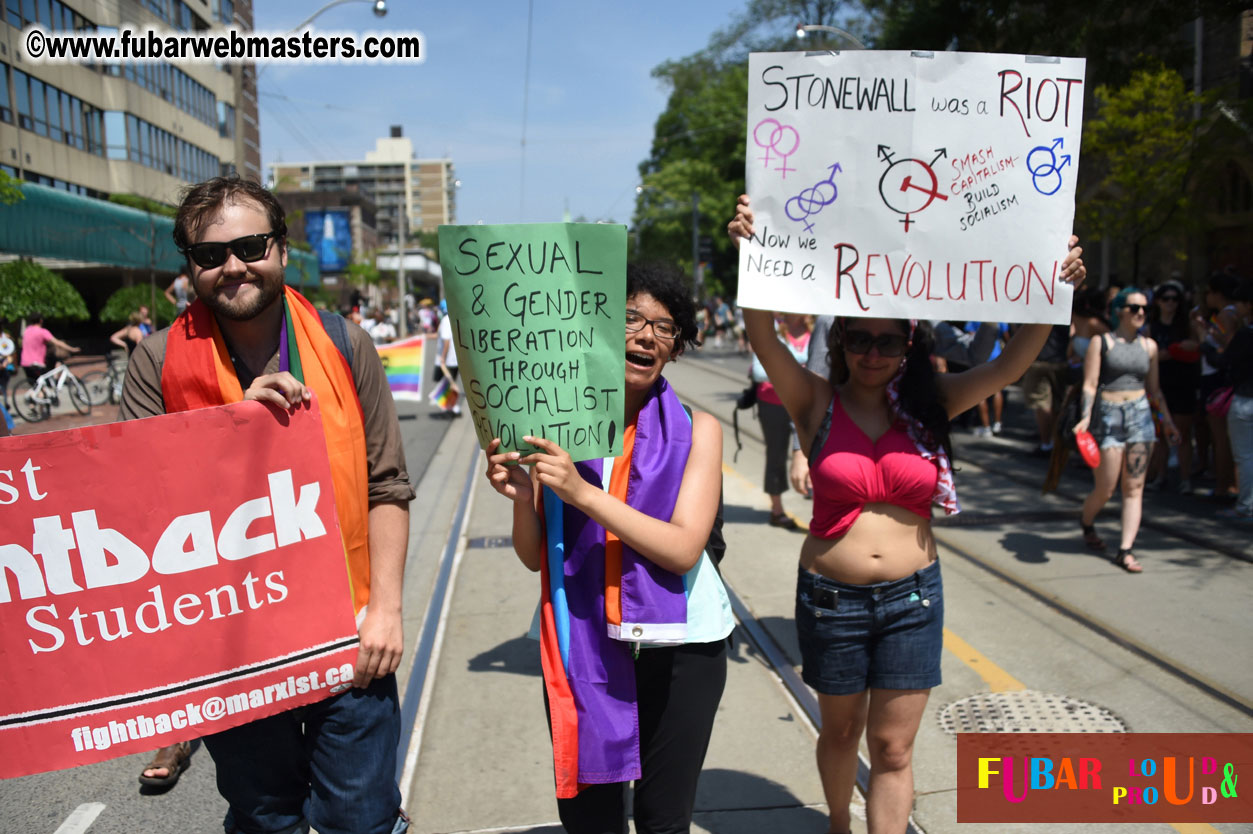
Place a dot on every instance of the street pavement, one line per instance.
(1059, 631)
(1031, 618)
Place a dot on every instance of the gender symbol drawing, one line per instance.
(1042, 163)
(782, 139)
(811, 200)
(909, 185)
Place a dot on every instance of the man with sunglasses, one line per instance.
(330, 764)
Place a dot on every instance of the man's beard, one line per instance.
(242, 309)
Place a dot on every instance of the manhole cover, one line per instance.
(1027, 711)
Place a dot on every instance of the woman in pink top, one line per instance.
(869, 609)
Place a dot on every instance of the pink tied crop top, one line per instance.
(851, 472)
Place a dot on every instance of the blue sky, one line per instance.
(591, 108)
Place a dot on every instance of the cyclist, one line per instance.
(35, 341)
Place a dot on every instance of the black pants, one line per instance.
(776, 429)
(678, 689)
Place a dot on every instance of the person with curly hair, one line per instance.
(869, 598)
(634, 616)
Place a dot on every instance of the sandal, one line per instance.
(1091, 539)
(173, 760)
(783, 520)
(1127, 561)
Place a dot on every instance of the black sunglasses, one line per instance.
(1133, 309)
(249, 249)
(888, 344)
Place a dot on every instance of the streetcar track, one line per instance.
(1186, 675)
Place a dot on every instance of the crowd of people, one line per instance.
(633, 616)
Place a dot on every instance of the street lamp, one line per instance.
(380, 10)
(802, 29)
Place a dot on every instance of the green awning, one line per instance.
(55, 224)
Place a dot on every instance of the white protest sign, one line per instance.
(932, 185)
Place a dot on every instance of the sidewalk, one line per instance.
(486, 763)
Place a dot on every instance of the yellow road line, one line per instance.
(997, 679)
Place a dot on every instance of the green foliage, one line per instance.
(1115, 36)
(429, 240)
(27, 287)
(699, 139)
(143, 204)
(10, 190)
(1142, 146)
(129, 299)
(362, 271)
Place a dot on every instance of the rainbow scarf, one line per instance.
(198, 373)
(598, 594)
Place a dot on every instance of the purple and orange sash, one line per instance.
(599, 596)
(198, 373)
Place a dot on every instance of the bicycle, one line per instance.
(34, 400)
(105, 386)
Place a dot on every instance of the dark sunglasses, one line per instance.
(888, 344)
(249, 249)
(1134, 309)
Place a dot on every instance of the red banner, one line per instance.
(165, 579)
(1138, 778)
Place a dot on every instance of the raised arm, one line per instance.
(967, 389)
(676, 544)
(802, 393)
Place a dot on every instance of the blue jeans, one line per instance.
(331, 764)
(1240, 427)
(883, 636)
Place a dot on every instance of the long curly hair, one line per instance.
(920, 396)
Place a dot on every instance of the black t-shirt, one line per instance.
(1054, 350)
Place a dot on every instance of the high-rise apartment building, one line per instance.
(137, 128)
(423, 189)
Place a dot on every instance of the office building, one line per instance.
(423, 189)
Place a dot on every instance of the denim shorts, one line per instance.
(883, 636)
(1121, 424)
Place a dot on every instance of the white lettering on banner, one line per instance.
(150, 616)
(109, 558)
(911, 185)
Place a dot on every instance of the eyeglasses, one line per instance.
(249, 249)
(888, 344)
(664, 328)
(1134, 309)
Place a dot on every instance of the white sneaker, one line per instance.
(996, 427)
(982, 431)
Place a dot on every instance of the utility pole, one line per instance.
(697, 275)
(403, 328)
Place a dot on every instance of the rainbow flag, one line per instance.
(402, 361)
(445, 395)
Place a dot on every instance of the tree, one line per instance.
(129, 299)
(1115, 36)
(142, 203)
(27, 287)
(699, 139)
(10, 190)
(1142, 146)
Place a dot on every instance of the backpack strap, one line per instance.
(820, 439)
(337, 328)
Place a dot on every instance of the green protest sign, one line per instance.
(538, 317)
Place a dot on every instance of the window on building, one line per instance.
(6, 106)
(13, 13)
(226, 11)
(54, 115)
(115, 134)
(226, 120)
(39, 107)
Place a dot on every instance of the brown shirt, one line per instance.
(385, 453)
